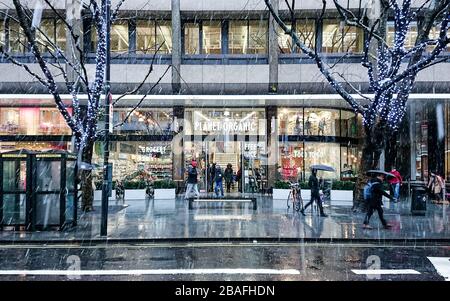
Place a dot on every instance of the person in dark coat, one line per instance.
(315, 195)
(375, 202)
(228, 175)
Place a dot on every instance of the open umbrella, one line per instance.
(322, 167)
(379, 172)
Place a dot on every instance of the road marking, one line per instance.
(148, 272)
(385, 272)
(442, 266)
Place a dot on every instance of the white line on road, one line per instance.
(442, 266)
(148, 272)
(385, 272)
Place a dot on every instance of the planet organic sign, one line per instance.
(226, 126)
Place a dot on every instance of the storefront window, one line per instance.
(191, 38)
(119, 37)
(132, 160)
(321, 122)
(322, 153)
(212, 39)
(292, 164)
(290, 122)
(34, 146)
(156, 121)
(349, 124)
(340, 38)
(17, 40)
(411, 36)
(32, 121)
(225, 122)
(447, 141)
(350, 161)
(421, 141)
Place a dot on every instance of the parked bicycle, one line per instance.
(295, 197)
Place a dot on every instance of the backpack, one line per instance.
(368, 191)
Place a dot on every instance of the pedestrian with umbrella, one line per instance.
(315, 187)
(373, 194)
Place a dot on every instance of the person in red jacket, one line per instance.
(396, 183)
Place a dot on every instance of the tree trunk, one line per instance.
(86, 177)
(372, 148)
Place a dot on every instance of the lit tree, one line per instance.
(391, 69)
(58, 63)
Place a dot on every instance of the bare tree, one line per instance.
(56, 63)
(391, 68)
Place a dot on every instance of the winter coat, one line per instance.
(377, 193)
(192, 175)
(313, 184)
(228, 174)
(397, 179)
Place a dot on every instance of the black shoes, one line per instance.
(323, 215)
(302, 211)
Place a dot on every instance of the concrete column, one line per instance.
(178, 144)
(73, 18)
(176, 46)
(272, 144)
(412, 138)
(273, 51)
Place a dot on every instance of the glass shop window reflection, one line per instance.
(144, 121)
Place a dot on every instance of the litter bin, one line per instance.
(418, 200)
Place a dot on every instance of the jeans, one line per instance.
(190, 187)
(370, 211)
(396, 190)
(228, 186)
(219, 186)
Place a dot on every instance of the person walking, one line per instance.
(436, 187)
(218, 178)
(192, 181)
(375, 201)
(395, 184)
(313, 184)
(228, 174)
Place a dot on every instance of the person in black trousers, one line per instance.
(315, 196)
(375, 202)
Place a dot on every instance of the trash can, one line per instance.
(418, 200)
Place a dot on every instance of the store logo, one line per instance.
(152, 149)
(225, 126)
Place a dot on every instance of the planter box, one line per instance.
(98, 195)
(280, 194)
(342, 195)
(134, 194)
(164, 194)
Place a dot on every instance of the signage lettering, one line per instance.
(225, 126)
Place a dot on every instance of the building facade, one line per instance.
(233, 90)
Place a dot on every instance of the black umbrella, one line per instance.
(322, 167)
(380, 172)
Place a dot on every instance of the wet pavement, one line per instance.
(219, 261)
(154, 220)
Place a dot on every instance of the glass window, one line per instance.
(17, 39)
(191, 38)
(338, 37)
(139, 161)
(349, 126)
(306, 31)
(32, 121)
(284, 40)
(164, 36)
(290, 122)
(434, 34)
(258, 37)
(410, 39)
(322, 153)
(291, 164)
(350, 162)
(212, 39)
(45, 36)
(119, 37)
(321, 122)
(238, 37)
(145, 36)
(61, 34)
(2, 33)
(144, 121)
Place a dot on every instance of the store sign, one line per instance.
(226, 126)
(153, 149)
